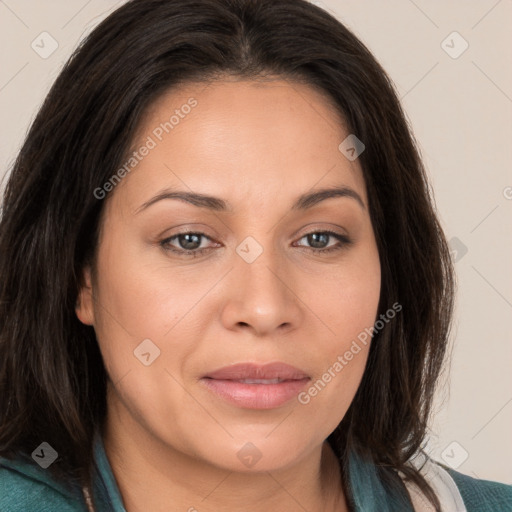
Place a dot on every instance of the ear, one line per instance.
(84, 304)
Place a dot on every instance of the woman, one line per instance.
(223, 283)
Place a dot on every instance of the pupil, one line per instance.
(314, 239)
(187, 242)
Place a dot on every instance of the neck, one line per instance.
(152, 475)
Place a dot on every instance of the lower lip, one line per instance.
(256, 396)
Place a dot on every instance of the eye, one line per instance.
(319, 238)
(189, 243)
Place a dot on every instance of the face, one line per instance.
(261, 277)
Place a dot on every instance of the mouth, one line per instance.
(252, 386)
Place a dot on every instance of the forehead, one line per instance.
(239, 138)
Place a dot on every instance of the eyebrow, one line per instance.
(303, 202)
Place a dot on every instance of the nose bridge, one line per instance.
(261, 296)
(260, 264)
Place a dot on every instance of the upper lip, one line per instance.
(277, 370)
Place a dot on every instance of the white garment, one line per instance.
(442, 484)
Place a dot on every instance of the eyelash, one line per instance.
(344, 240)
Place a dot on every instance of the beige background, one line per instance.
(460, 111)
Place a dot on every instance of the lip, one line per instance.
(224, 383)
(256, 371)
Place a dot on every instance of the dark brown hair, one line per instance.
(52, 378)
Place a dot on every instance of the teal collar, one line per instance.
(106, 491)
(367, 492)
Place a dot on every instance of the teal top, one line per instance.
(27, 487)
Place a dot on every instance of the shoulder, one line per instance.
(24, 487)
(482, 495)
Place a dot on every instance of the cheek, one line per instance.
(347, 306)
(348, 298)
(144, 310)
(140, 293)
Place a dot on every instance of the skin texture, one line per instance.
(171, 442)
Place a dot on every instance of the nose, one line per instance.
(263, 296)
